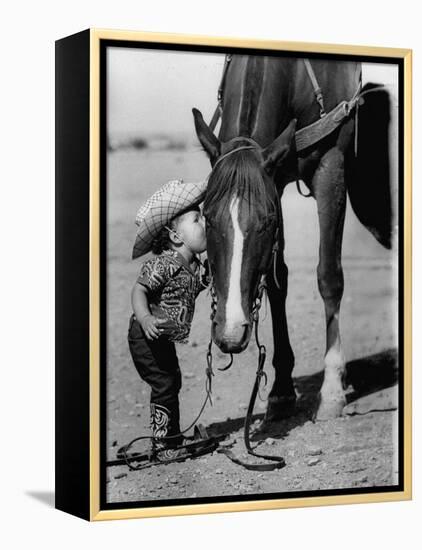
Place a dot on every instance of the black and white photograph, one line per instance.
(211, 249)
(252, 244)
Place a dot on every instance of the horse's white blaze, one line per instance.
(234, 311)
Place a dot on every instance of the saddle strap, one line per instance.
(328, 122)
(311, 134)
(317, 89)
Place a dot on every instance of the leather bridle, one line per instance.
(275, 248)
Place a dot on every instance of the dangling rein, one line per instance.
(275, 462)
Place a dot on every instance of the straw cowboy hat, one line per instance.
(166, 203)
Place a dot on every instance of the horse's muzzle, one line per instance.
(234, 339)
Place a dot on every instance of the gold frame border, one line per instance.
(96, 514)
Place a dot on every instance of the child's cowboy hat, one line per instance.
(166, 203)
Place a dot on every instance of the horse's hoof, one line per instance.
(330, 409)
(279, 408)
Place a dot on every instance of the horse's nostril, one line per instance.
(245, 336)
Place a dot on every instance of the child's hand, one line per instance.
(150, 325)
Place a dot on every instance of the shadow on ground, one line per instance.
(45, 497)
(363, 377)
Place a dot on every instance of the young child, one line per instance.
(163, 300)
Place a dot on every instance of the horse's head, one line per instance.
(242, 212)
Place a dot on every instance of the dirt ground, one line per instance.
(357, 450)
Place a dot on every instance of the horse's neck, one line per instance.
(262, 94)
(256, 98)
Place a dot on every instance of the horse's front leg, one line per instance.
(282, 398)
(330, 193)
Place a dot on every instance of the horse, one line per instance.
(266, 102)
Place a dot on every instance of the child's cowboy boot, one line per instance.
(164, 425)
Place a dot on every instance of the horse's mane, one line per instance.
(240, 175)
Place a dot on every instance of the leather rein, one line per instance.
(276, 462)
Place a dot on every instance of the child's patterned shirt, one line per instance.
(172, 290)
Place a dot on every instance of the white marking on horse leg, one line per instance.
(332, 393)
(234, 311)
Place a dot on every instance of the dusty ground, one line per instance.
(357, 450)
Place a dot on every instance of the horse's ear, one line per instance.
(208, 140)
(275, 153)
